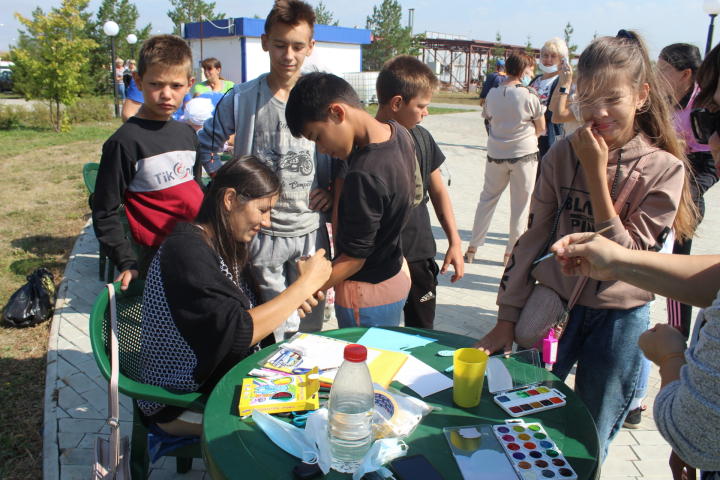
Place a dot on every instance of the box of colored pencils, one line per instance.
(515, 381)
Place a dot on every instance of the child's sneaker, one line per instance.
(634, 417)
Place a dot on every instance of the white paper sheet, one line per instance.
(422, 378)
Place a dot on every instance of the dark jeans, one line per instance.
(604, 345)
(698, 188)
(419, 308)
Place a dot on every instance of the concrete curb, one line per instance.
(51, 449)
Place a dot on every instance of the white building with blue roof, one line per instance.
(236, 43)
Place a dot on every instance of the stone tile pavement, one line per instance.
(76, 398)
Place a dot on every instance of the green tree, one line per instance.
(126, 15)
(187, 11)
(528, 45)
(569, 30)
(595, 35)
(51, 56)
(496, 53)
(257, 16)
(390, 38)
(325, 16)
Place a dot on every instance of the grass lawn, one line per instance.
(43, 207)
(472, 98)
(372, 110)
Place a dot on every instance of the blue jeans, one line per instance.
(604, 345)
(642, 383)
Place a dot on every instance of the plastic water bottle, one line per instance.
(350, 411)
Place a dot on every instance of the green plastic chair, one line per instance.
(89, 172)
(129, 318)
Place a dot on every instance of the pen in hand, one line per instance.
(582, 240)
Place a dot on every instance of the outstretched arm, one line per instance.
(694, 279)
(443, 209)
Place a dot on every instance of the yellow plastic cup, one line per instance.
(468, 376)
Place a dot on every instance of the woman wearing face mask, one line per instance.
(516, 118)
(551, 56)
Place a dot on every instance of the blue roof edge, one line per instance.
(254, 27)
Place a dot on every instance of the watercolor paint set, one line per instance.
(532, 452)
(515, 380)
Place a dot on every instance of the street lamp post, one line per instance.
(111, 29)
(712, 8)
(132, 40)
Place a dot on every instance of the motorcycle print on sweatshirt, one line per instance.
(293, 161)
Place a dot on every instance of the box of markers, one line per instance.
(515, 380)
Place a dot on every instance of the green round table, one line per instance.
(235, 448)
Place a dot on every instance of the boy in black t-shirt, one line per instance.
(151, 164)
(369, 274)
(405, 87)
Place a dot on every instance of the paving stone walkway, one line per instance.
(76, 398)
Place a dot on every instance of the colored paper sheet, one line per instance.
(422, 378)
(393, 341)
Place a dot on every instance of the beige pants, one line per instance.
(521, 177)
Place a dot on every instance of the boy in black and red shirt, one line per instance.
(151, 164)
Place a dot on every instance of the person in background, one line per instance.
(151, 164)
(197, 111)
(516, 119)
(551, 55)
(564, 104)
(255, 112)
(119, 72)
(215, 81)
(405, 87)
(127, 74)
(370, 276)
(492, 81)
(627, 127)
(679, 64)
(203, 311)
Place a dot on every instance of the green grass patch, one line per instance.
(372, 110)
(464, 98)
(23, 140)
(43, 207)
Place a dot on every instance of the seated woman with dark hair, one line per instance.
(202, 309)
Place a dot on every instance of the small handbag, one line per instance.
(112, 456)
(544, 309)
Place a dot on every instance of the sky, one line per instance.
(661, 22)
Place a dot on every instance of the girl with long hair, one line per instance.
(202, 309)
(627, 127)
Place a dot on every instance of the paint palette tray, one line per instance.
(515, 381)
(532, 451)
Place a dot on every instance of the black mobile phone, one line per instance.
(415, 467)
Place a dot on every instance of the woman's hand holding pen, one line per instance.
(598, 258)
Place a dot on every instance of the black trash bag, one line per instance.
(34, 302)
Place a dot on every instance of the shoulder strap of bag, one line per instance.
(113, 408)
(418, 173)
(622, 198)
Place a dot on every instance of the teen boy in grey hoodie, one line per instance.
(255, 113)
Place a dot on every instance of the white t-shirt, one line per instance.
(511, 111)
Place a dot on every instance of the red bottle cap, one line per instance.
(355, 353)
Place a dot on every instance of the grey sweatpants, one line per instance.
(274, 260)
